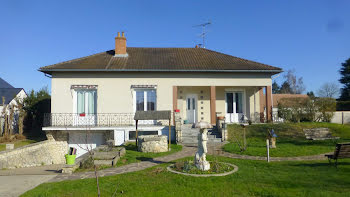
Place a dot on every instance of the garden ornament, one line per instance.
(200, 157)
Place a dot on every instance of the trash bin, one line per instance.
(70, 159)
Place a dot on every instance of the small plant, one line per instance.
(88, 163)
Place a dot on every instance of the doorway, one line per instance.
(191, 108)
(234, 107)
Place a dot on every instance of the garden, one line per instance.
(291, 139)
(253, 177)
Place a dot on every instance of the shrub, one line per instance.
(306, 109)
(326, 108)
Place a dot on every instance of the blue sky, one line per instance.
(312, 37)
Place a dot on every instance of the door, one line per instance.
(234, 107)
(191, 108)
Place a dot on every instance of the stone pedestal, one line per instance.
(178, 127)
(200, 157)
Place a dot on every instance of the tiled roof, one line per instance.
(161, 59)
(4, 84)
(9, 94)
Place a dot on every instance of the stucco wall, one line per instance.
(115, 95)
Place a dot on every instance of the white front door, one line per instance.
(191, 108)
(234, 107)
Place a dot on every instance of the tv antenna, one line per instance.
(204, 32)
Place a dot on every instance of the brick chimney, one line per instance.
(120, 46)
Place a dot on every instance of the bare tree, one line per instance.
(296, 84)
(328, 90)
(88, 147)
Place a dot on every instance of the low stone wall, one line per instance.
(37, 154)
(153, 143)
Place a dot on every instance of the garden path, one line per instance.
(185, 152)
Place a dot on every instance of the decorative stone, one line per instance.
(10, 146)
(273, 142)
(200, 157)
(153, 143)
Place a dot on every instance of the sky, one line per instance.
(311, 37)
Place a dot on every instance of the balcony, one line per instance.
(95, 120)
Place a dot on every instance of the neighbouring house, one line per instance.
(100, 93)
(8, 97)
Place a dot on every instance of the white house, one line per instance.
(99, 94)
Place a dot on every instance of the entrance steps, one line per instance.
(190, 135)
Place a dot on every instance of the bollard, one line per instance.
(267, 148)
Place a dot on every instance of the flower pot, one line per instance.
(221, 117)
(70, 159)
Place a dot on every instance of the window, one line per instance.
(239, 102)
(146, 100)
(86, 101)
(229, 102)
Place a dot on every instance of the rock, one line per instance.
(153, 143)
(103, 162)
(115, 160)
(10, 146)
(105, 155)
(122, 152)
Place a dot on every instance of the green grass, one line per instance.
(290, 141)
(17, 144)
(254, 178)
(132, 155)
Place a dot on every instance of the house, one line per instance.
(100, 93)
(8, 97)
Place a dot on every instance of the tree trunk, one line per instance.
(98, 185)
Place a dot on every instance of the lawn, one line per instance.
(254, 178)
(290, 141)
(132, 155)
(17, 143)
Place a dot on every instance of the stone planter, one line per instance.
(152, 143)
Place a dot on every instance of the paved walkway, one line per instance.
(133, 167)
(11, 186)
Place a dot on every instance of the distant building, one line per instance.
(8, 95)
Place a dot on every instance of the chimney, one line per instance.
(120, 46)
